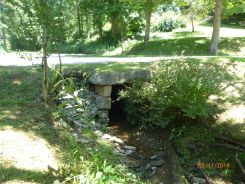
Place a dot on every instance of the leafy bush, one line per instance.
(168, 18)
(169, 22)
(177, 90)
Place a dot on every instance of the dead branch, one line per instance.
(205, 176)
(240, 165)
(229, 147)
(224, 139)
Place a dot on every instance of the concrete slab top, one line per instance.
(109, 78)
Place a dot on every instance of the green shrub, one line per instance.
(169, 22)
(177, 90)
(168, 18)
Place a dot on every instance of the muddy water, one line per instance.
(147, 144)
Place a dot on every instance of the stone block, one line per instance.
(103, 102)
(103, 121)
(103, 90)
(103, 114)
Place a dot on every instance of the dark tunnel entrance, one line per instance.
(117, 113)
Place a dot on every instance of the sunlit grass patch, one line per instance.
(25, 151)
(187, 46)
(27, 143)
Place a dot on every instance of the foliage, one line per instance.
(168, 18)
(195, 10)
(93, 165)
(169, 22)
(177, 90)
(58, 82)
(232, 7)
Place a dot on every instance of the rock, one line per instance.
(80, 122)
(112, 139)
(63, 123)
(133, 163)
(68, 106)
(103, 114)
(153, 172)
(148, 166)
(128, 152)
(71, 113)
(75, 134)
(84, 141)
(97, 126)
(93, 111)
(155, 157)
(103, 121)
(103, 90)
(117, 140)
(68, 96)
(153, 168)
(188, 175)
(130, 148)
(118, 152)
(137, 156)
(80, 109)
(98, 133)
(107, 137)
(103, 102)
(157, 163)
(109, 78)
(198, 180)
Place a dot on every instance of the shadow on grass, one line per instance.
(187, 34)
(186, 46)
(12, 173)
(18, 102)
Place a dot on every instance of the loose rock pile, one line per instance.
(84, 105)
(194, 176)
(79, 108)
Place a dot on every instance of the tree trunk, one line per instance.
(61, 72)
(148, 12)
(113, 27)
(4, 39)
(82, 24)
(192, 25)
(78, 20)
(88, 28)
(45, 83)
(100, 28)
(216, 28)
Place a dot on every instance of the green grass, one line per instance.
(187, 46)
(20, 116)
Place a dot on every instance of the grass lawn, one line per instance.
(176, 43)
(187, 46)
(28, 145)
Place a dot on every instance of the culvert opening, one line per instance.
(117, 113)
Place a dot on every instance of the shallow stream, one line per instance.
(150, 158)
